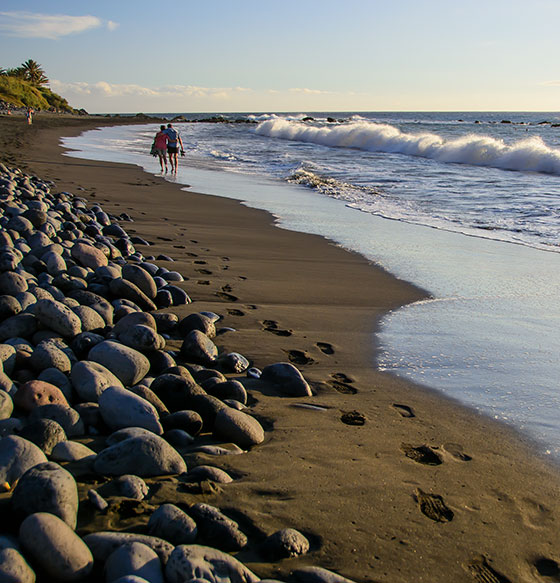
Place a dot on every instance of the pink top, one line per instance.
(161, 140)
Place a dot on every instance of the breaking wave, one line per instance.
(529, 155)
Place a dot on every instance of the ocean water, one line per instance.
(464, 205)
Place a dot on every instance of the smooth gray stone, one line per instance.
(132, 579)
(95, 301)
(134, 558)
(199, 349)
(172, 524)
(143, 456)
(188, 562)
(176, 391)
(55, 263)
(217, 528)
(287, 378)
(127, 433)
(200, 322)
(318, 575)
(17, 455)
(11, 426)
(122, 408)
(6, 405)
(90, 319)
(178, 438)
(141, 337)
(285, 543)
(47, 355)
(90, 379)
(58, 317)
(131, 486)
(189, 421)
(146, 393)
(9, 306)
(127, 364)
(141, 278)
(14, 568)
(103, 544)
(12, 283)
(122, 288)
(48, 488)
(71, 451)
(50, 542)
(143, 318)
(97, 500)
(69, 419)
(211, 473)
(45, 433)
(20, 326)
(230, 389)
(7, 358)
(238, 427)
(165, 321)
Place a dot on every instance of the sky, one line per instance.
(122, 56)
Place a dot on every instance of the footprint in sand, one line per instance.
(404, 410)
(204, 271)
(456, 452)
(179, 247)
(422, 454)
(341, 383)
(484, 573)
(433, 506)
(227, 297)
(299, 357)
(547, 568)
(191, 254)
(236, 313)
(203, 282)
(200, 262)
(325, 347)
(164, 238)
(353, 418)
(272, 327)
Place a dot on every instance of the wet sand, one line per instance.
(390, 481)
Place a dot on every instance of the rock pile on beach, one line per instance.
(102, 383)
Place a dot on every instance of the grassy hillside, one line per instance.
(20, 93)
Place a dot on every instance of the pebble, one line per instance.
(238, 427)
(215, 527)
(47, 487)
(176, 391)
(134, 558)
(318, 575)
(198, 348)
(122, 408)
(6, 405)
(71, 451)
(189, 421)
(103, 543)
(188, 562)
(36, 393)
(58, 317)
(97, 500)
(172, 524)
(127, 364)
(90, 379)
(287, 378)
(52, 544)
(88, 255)
(44, 433)
(210, 473)
(68, 418)
(144, 456)
(131, 486)
(14, 568)
(286, 543)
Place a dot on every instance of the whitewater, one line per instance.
(464, 205)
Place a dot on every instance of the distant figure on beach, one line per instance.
(30, 113)
(173, 141)
(160, 144)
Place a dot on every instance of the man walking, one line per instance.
(173, 141)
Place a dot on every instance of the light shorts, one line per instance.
(161, 151)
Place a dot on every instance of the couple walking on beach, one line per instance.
(166, 143)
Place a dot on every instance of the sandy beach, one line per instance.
(390, 482)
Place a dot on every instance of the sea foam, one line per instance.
(528, 155)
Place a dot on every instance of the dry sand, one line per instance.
(423, 490)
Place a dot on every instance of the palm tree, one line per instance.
(33, 72)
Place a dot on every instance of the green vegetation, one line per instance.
(27, 86)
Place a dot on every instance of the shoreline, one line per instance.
(361, 505)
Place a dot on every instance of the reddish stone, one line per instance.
(36, 393)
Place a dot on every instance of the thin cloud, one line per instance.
(51, 26)
(550, 83)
